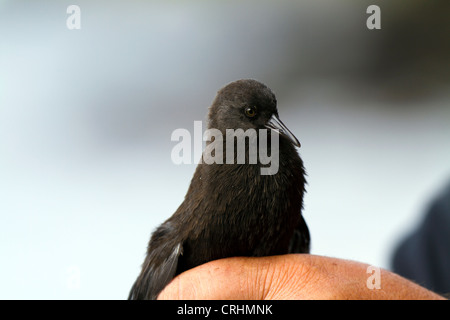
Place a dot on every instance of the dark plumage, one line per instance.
(232, 209)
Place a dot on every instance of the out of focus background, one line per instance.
(86, 118)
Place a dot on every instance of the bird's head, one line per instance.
(247, 104)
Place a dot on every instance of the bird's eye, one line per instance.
(250, 112)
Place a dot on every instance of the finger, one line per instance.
(221, 279)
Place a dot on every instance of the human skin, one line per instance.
(292, 276)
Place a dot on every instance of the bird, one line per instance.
(232, 209)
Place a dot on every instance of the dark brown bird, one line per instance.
(233, 209)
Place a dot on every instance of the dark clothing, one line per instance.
(424, 256)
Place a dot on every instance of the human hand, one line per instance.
(292, 276)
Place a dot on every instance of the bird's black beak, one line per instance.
(275, 123)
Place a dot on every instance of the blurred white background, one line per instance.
(86, 117)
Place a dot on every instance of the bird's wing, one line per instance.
(159, 267)
(300, 241)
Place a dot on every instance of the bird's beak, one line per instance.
(275, 124)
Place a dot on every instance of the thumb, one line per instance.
(239, 278)
(215, 280)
